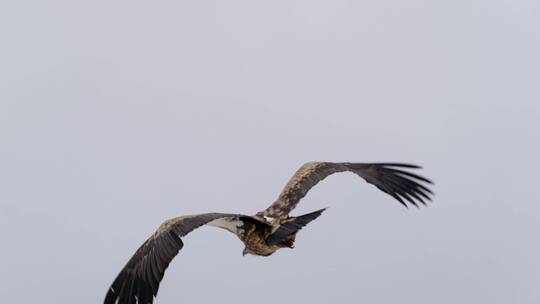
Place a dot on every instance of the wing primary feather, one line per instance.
(409, 174)
(408, 188)
(402, 165)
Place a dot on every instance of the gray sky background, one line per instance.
(116, 115)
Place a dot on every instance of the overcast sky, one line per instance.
(116, 115)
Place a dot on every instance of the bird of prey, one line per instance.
(263, 233)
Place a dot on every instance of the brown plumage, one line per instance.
(263, 233)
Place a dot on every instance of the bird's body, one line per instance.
(252, 231)
(263, 233)
(255, 242)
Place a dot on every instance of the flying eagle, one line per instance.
(263, 233)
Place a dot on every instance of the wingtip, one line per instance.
(320, 211)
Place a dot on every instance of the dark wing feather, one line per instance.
(291, 227)
(138, 282)
(402, 185)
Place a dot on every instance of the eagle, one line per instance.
(263, 233)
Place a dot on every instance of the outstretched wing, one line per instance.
(404, 186)
(138, 282)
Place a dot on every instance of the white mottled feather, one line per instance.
(269, 219)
